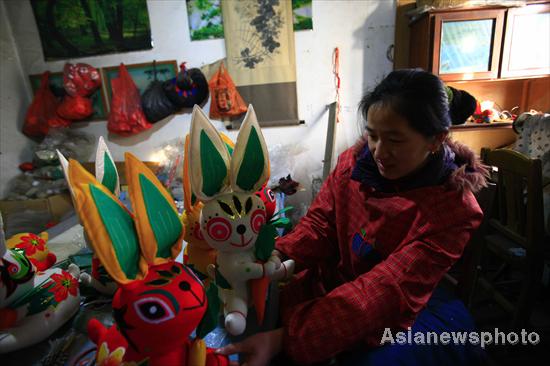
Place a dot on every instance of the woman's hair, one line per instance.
(416, 95)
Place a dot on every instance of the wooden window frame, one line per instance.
(497, 15)
(505, 71)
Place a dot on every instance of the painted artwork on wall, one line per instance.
(56, 86)
(71, 29)
(302, 15)
(142, 74)
(205, 18)
(259, 41)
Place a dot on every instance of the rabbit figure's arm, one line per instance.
(240, 267)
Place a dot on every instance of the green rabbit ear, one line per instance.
(157, 221)
(209, 158)
(249, 162)
(105, 168)
(108, 224)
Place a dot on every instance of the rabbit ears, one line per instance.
(213, 170)
(105, 169)
(190, 201)
(127, 244)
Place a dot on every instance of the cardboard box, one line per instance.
(34, 215)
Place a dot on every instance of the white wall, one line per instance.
(14, 146)
(362, 29)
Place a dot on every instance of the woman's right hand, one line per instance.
(257, 350)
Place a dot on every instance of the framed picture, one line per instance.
(70, 29)
(142, 74)
(56, 86)
(301, 11)
(205, 19)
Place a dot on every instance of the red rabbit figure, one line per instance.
(159, 301)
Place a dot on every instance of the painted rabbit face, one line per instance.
(232, 221)
(226, 181)
(170, 298)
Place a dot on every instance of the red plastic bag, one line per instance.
(75, 108)
(226, 100)
(42, 115)
(126, 116)
(80, 79)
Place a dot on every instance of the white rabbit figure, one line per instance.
(106, 173)
(232, 215)
(32, 304)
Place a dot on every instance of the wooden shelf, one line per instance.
(476, 126)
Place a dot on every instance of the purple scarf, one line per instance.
(435, 172)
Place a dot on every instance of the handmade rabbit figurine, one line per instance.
(232, 215)
(33, 304)
(159, 301)
(106, 173)
(35, 249)
(199, 254)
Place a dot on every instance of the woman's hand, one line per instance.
(257, 350)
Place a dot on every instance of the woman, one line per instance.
(391, 219)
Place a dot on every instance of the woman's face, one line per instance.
(398, 150)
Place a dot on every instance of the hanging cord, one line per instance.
(336, 72)
(155, 70)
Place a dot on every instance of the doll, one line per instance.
(232, 215)
(33, 304)
(159, 302)
(106, 173)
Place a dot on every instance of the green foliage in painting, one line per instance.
(71, 28)
(205, 19)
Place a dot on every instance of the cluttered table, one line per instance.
(69, 345)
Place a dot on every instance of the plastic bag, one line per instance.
(126, 116)
(44, 177)
(75, 108)
(226, 100)
(79, 81)
(42, 115)
(156, 105)
(188, 88)
(170, 170)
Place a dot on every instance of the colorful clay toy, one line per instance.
(106, 173)
(159, 301)
(35, 249)
(198, 253)
(232, 215)
(33, 304)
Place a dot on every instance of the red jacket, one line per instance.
(373, 259)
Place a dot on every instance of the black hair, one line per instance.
(461, 105)
(416, 95)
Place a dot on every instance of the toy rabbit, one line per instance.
(232, 215)
(33, 304)
(159, 301)
(199, 255)
(106, 173)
